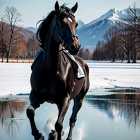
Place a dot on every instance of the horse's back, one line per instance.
(38, 76)
(83, 83)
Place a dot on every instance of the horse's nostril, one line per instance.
(72, 47)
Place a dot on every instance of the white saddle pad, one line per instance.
(81, 73)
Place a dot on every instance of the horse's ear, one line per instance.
(74, 8)
(57, 8)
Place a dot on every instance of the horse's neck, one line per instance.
(53, 59)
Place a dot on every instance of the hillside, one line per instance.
(90, 33)
(31, 29)
(26, 33)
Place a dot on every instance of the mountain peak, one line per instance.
(112, 14)
(92, 32)
(81, 23)
(31, 29)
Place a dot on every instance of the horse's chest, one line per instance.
(57, 85)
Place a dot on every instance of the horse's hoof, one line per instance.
(53, 135)
(42, 138)
(62, 133)
(69, 139)
(39, 137)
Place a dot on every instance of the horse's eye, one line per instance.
(61, 25)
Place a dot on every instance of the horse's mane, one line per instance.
(44, 27)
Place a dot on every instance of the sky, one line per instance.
(88, 10)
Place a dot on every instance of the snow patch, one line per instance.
(113, 75)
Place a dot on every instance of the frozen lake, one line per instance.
(113, 114)
(15, 77)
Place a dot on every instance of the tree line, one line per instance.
(12, 43)
(121, 41)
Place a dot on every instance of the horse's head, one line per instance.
(65, 28)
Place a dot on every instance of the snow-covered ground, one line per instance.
(15, 77)
(113, 75)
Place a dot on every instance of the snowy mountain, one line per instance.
(31, 29)
(91, 33)
(81, 23)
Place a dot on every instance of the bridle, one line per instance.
(62, 40)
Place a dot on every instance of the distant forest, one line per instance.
(121, 42)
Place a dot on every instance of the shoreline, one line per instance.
(18, 61)
(32, 60)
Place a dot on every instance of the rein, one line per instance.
(56, 51)
(63, 39)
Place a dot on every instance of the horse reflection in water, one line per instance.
(52, 78)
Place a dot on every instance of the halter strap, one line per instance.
(70, 36)
(56, 51)
(63, 39)
(64, 45)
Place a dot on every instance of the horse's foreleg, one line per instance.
(63, 107)
(31, 114)
(78, 100)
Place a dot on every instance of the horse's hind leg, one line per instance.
(78, 100)
(31, 113)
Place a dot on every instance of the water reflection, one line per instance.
(99, 116)
(10, 109)
(125, 90)
(119, 108)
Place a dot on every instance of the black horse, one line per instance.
(52, 78)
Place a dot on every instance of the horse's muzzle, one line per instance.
(74, 48)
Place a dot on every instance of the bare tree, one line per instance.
(85, 54)
(111, 46)
(23, 49)
(13, 17)
(3, 35)
(124, 41)
(18, 48)
(129, 32)
(32, 47)
(97, 51)
(134, 23)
